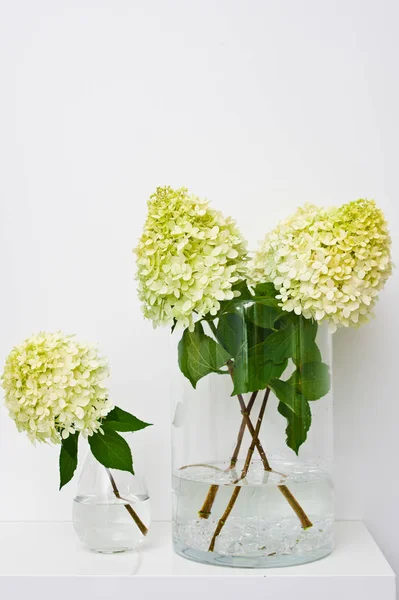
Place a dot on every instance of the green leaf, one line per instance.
(297, 425)
(253, 371)
(305, 340)
(231, 332)
(312, 380)
(281, 344)
(227, 306)
(294, 338)
(310, 353)
(68, 458)
(265, 289)
(120, 420)
(295, 408)
(287, 394)
(111, 450)
(263, 314)
(200, 355)
(242, 287)
(256, 335)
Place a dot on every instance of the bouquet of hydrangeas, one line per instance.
(254, 318)
(55, 391)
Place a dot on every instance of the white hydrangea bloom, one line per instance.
(188, 258)
(54, 386)
(328, 264)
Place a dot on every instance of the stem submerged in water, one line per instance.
(206, 508)
(224, 518)
(244, 472)
(128, 506)
(296, 507)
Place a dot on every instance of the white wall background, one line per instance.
(259, 106)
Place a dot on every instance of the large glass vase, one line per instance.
(252, 441)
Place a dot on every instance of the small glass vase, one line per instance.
(241, 504)
(111, 510)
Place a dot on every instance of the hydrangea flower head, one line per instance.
(188, 257)
(54, 386)
(328, 264)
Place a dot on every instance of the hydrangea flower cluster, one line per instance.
(328, 264)
(54, 386)
(188, 258)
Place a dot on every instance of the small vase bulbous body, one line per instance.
(111, 509)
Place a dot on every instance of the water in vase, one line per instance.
(262, 529)
(107, 526)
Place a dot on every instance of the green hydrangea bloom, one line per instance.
(188, 258)
(54, 386)
(328, 264)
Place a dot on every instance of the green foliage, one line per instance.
(258, 339)
(310, 353)
(231, 332)
(120, 420)
(265, 289)
(263, 313)
(257, 335)
(253, 371)
(68, 458)
(227, 306)
(111, 450)
(200, 355)
(312, 380)
(295, 408)
(305, 336)
(281, 344)
(293, 338)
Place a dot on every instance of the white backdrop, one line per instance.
(259, 106)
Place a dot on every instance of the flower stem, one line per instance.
(234, 457)
(128, 506)
(306, 523)
(248, 423)
(296, 507)
(206, 509)
(292, 501)
(257, 430)
(244, 472)
(224, 517)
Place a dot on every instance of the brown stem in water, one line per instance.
(205, 465)
(296, 507)
(206, 508)
(128, 506)
(224, 518)
(306, 523)
(244, 472)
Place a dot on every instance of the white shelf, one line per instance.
(46, 561)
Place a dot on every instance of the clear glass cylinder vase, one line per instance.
(111, 509)
(252, 441)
